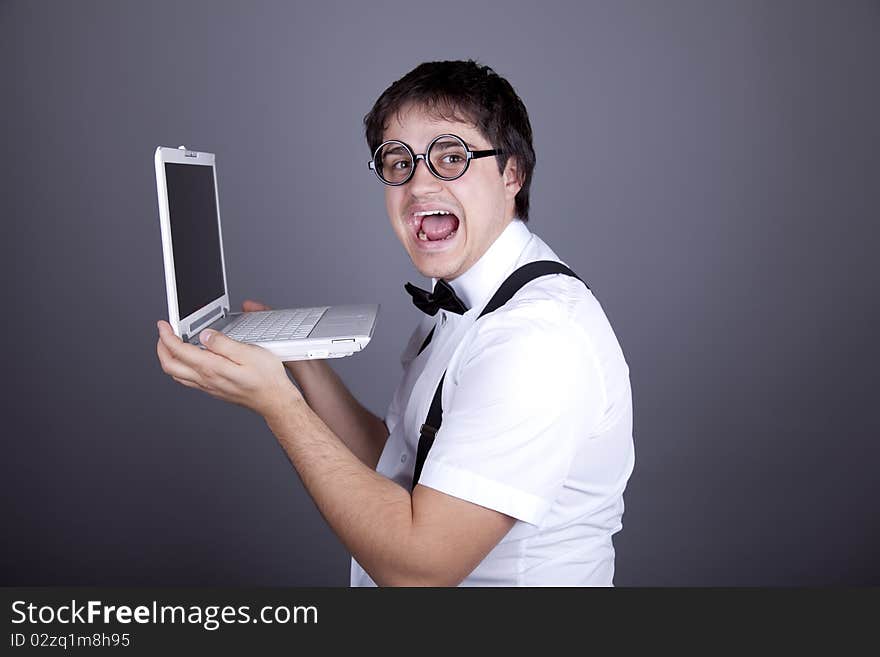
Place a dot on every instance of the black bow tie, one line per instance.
(443, 297)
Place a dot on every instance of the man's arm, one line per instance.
(426, 538)
(361, 431)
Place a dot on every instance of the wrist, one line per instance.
(285, 404)
(299, 369)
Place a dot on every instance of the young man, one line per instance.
(506, 449)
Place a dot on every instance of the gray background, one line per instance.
(711, 168)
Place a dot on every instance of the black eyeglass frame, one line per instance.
(469, 155)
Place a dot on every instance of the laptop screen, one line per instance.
(195, 235)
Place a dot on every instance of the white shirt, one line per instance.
(537, 419)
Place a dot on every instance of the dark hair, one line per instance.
(464, 91)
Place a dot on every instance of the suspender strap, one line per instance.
(427, 432)
(525, 274)
(427, 340)
(509, 287)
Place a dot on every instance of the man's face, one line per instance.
(481, 202)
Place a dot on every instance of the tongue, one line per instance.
(439, 226)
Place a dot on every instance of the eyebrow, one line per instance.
(448, 143)
(396, 150)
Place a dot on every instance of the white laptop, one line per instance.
(195, 274)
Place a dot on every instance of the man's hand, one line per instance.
(250, 306)
(243, 374)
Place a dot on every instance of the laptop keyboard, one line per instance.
(269, 325)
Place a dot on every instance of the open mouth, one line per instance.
(436, 225)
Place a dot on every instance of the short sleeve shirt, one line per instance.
(537, 419)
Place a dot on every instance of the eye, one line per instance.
(452, 158)
(400, 165)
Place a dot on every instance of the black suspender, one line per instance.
(509, 287)
(427, 340)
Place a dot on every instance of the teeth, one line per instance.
(424, 238)
(427, 212)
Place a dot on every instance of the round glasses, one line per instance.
(447, 157)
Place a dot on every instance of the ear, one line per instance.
(512, 178)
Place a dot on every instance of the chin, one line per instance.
(434, 267)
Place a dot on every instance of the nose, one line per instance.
(423, 181)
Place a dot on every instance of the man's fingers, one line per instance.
(202, 366)
(225, 346)
(172, 366)
(250, 306)
(174, 345)
(165, 328)
(188, 384)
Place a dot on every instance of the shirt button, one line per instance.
(403, 458)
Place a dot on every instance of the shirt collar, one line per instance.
(476, 284)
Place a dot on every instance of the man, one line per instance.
(528, 404)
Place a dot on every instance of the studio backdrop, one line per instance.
(710, 168)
